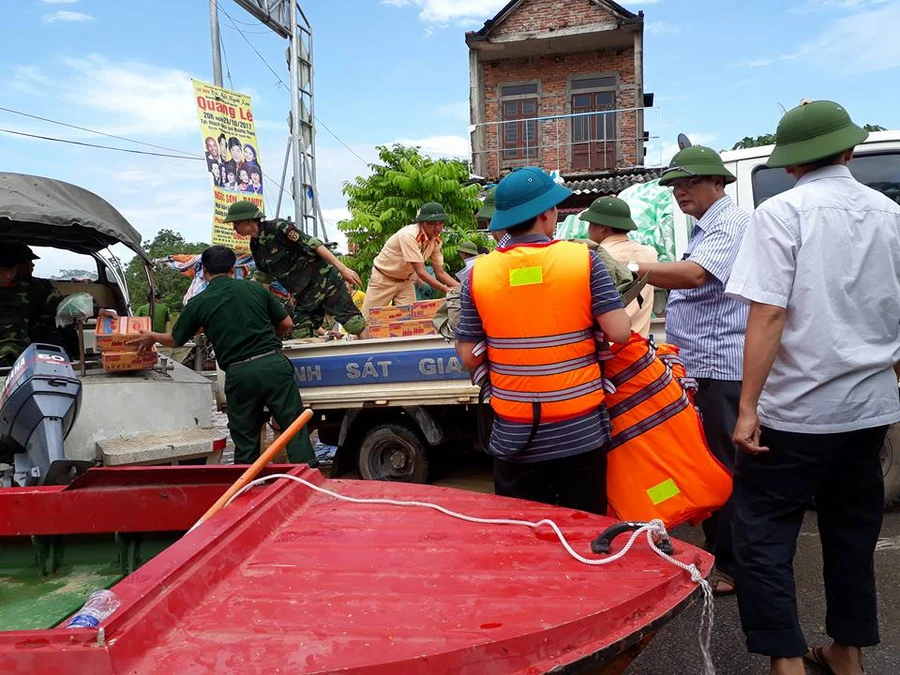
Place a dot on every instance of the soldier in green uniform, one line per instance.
(43, 298)
(13, 309)
(304, 266)
(243, 321)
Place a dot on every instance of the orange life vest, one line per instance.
(534, 301)
(660, 465)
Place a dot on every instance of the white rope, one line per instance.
(653, 530)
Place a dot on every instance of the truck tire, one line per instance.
(890, 466)
(394, 452)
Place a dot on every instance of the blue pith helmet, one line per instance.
(524, 194)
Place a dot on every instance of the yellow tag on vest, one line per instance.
(526, 276)
(665, 490)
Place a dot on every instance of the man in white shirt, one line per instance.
(820, 267)
(610, 222)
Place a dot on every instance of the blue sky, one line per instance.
(386, 71)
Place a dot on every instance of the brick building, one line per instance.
(558, 84)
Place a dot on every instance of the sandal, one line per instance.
(722, 584)
(815, 659)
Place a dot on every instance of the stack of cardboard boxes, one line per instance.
(114, 336)
(403, 320)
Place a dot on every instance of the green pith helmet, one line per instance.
(610, 211)
(697, 160)
(243, 211)
(487, 210)
(431, 212)
(814, 131)
(469, 247)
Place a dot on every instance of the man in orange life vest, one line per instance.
(528, 319)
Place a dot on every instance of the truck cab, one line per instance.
(157, 416)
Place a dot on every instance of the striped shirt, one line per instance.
(706, 325)
(557, 439)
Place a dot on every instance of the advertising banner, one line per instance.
(232, 156)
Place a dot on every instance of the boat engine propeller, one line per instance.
(38, 406)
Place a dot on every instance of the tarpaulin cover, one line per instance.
(46, 212)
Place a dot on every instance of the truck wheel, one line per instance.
(393, 452)
(890, 465)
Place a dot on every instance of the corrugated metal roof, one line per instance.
(611, 184)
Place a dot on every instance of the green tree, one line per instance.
(170, 283)
(75, 274)
(769, 139)
(388, 199)
(754, 142)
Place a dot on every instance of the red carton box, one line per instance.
(121, 361)
(426, 309)
(382, 315)
(115, 335)
(380, 331)
(412, 327)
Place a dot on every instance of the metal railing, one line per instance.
(558, 155)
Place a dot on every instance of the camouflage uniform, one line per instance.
(44, 299)
(290, 256)
(14, 338)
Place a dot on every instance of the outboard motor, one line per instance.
(38, 405)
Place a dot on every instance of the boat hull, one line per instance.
(288, 579)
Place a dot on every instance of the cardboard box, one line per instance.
(383, 315)
(380, 331)
(412, 327)
(426, 309)
(115, 335)
(121, 361)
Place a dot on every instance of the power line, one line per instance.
(227, 67)
(278, 77)
(95, 145)
(99, 133)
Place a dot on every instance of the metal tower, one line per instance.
(287, 19)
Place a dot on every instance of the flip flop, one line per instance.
(815, 659)
(718, 578)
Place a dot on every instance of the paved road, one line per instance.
(675, 650)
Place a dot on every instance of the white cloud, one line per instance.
(446, 11)
(441, 146)
(661, 28)
(820, 5)
(863, 42)
(148, 100)
(75, 17)
(458, 110)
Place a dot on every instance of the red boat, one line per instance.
(289, 580)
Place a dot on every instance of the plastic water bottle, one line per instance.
(100, 605)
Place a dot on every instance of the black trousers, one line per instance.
(771, 492)
(577, 482)
(718, 402)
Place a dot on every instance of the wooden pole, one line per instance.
(257, 466)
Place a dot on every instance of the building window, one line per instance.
(594, 136)
(518, 114)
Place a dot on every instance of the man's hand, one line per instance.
(746, 434)
(145, 342)
(350, 276)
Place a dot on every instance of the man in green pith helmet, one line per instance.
(610, 222)
(244, 322)
(818, 396)
(403, 258)
(302, 264)
(702, 322)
